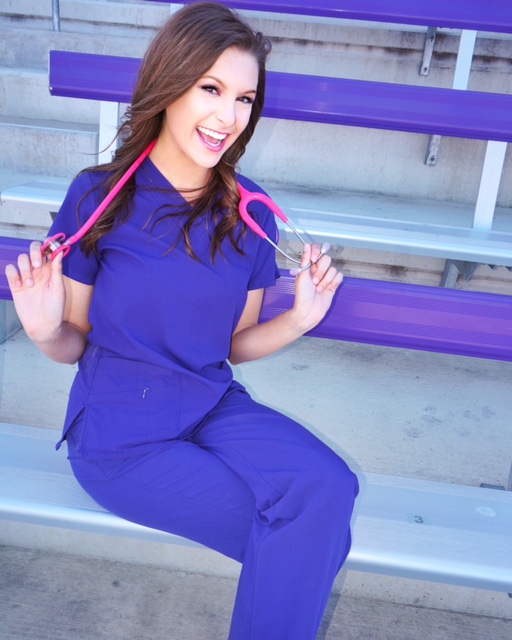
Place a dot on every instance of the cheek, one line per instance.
(243, 119)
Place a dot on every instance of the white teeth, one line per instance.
(212, 134)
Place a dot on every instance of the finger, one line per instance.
(320, 268)
(316, 252)
(306, 255)
(35, 254)
(56, 264)
(331, 280)
(13, 277)
(336, 281)
(25, 269)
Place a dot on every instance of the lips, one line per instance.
(212, 139)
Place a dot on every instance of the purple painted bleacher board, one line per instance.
(92, 76)
(396, 107)
(385, 313)
(10, 248)
(409, 316)
(491, 15)
(465, 114)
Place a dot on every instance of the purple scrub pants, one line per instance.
(255, 486)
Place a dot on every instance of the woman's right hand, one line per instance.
(38, 292)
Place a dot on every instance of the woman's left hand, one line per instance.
(315, 287)
(314, 291)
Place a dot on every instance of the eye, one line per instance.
(246, 100)
(210, 88)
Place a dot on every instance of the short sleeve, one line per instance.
(79, 204)
(265, 271)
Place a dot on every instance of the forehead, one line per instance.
(236, 68)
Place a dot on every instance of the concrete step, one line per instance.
(115, 28)
(310, 154)
(322, 156)
(24, 93)
(101, 16)
(15, 53)
(47, 147)
(301, 45)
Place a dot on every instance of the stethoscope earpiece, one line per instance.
(298, 270)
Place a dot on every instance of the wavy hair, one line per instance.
(183, 50)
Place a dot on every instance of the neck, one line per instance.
(188, 180)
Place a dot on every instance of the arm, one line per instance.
(53, 309)
(314, 292)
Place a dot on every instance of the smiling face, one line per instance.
(206, 121)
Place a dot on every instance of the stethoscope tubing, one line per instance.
(59, 244)
(246, 198)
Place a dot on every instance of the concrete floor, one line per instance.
(50, 596)
(388, 411)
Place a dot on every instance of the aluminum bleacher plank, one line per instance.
(45, 192)
(406, 527)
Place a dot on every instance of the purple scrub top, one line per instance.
(161, 321)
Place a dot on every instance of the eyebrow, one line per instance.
(224, 85)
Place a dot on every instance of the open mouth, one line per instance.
(211, 138)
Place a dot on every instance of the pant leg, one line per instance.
(304, 495)
(178, 488)
(257, 487)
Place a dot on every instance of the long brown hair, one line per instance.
(183, 50)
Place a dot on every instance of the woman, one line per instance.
(163, 290)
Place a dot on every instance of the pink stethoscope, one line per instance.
(59, 244)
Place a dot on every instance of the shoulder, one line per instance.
(86, 181)
(85, 186)
(85, 191)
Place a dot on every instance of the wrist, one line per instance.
(47, 336)
(65, 343)
(300, 322)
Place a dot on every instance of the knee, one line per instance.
(334, 483)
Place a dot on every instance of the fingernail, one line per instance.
(29, 282)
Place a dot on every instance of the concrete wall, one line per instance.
(322, 156)
(45, 135)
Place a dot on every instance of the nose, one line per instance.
(226, 113)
